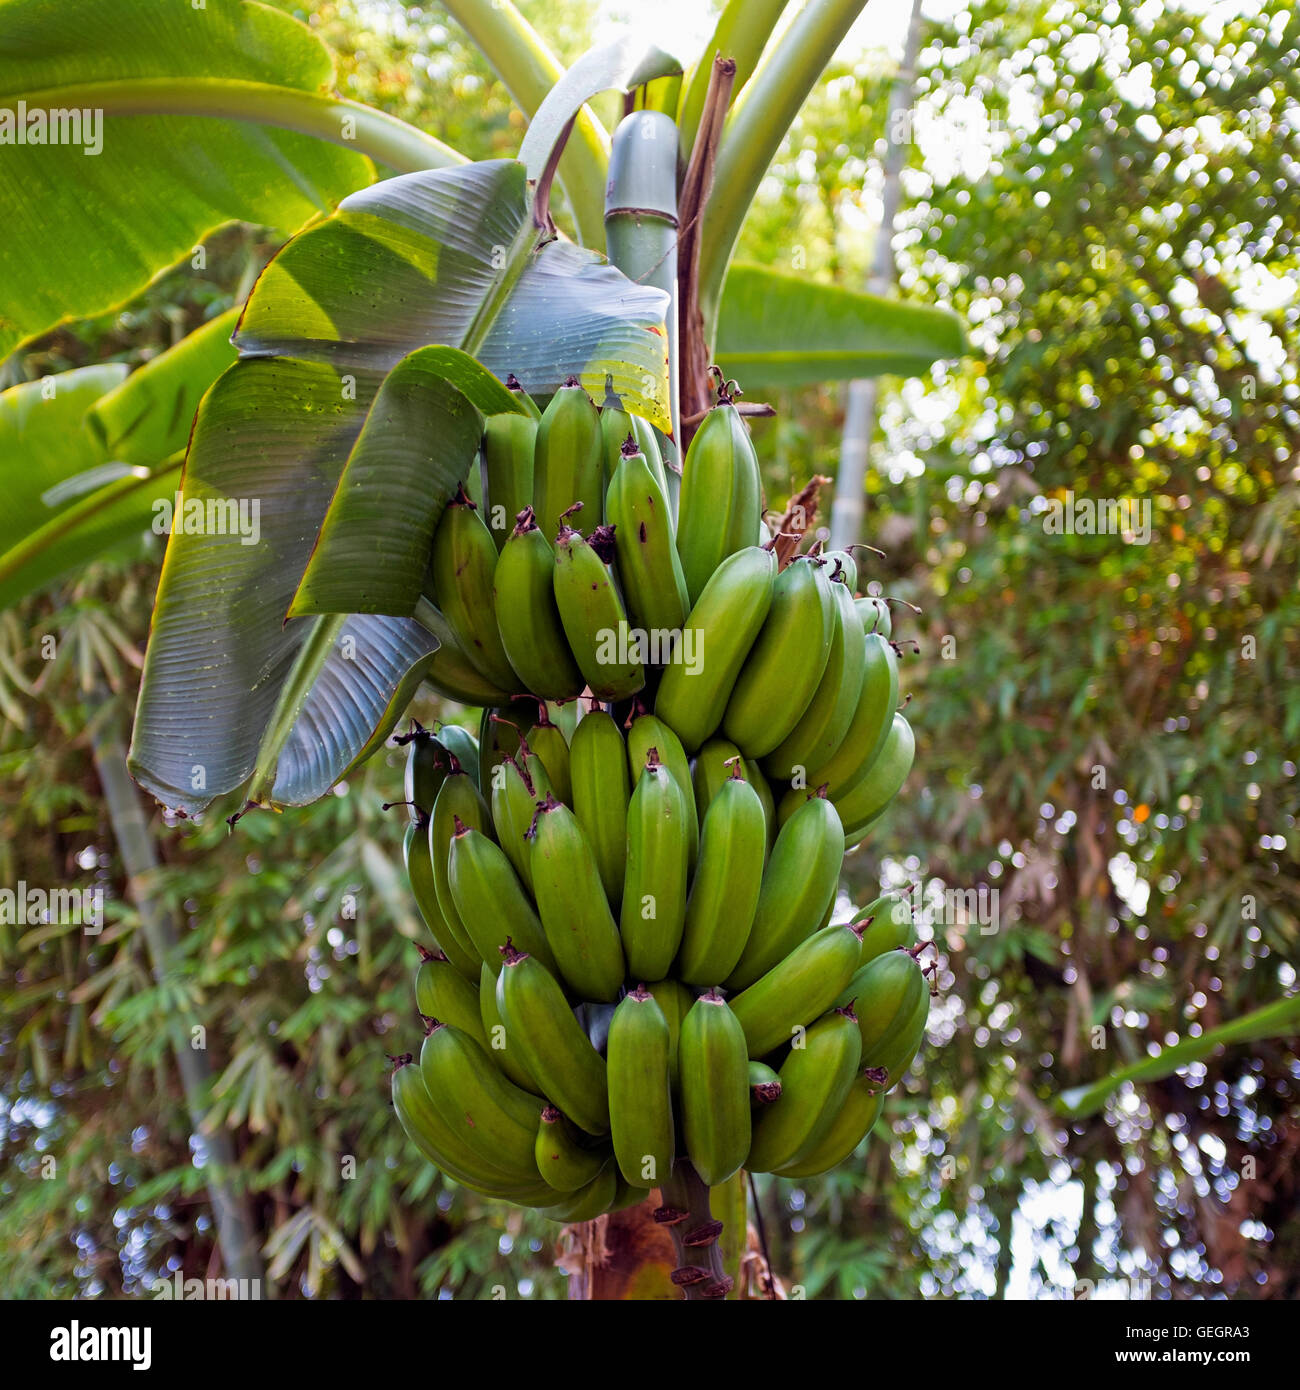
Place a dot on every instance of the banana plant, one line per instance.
(342, 414)
(244, 90)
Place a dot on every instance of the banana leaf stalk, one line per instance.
(763, 115)
(742, 33)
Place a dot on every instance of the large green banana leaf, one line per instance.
(87, 224)
(779, 330)
(624, 64)
(86, 454)
(450, 257)
(1280, 1019)
(58, 491)
(148, 417)
(530, 71)
(45, 442)
(418, 440)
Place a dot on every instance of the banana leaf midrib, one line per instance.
(384, 138)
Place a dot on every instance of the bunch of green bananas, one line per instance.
(635, 960)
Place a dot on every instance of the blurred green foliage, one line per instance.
(1107, 730)
(1107, 725)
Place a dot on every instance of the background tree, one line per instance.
(1109, 199)
(1107, 727)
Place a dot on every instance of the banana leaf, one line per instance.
(1280, 1019)
(778, 331)
(448, 258)
(132, 193)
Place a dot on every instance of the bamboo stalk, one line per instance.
(236, 1233)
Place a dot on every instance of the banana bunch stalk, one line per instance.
(636, 979)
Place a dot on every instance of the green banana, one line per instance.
(869, 726)
(499, 1047)
(655, 880)
(798, 889)
(498, 739)
(640, 1092)
(442, 992)
(848, 567)
(579, 926)
(426, 1130)
(615, 426)
(547, 741)
(888, 995)
(568, 464)
(496, 1118)
(451, 674)
(888, 925)
(747, 526)
(463, 746)
(721, 628)
(552, 1043)
(714, 1082)
(566, 714)
(875, 616)
(764, 789)
(647, 439)
(426, 767)
(588, 1202)
(815, 1082)
(647, 732)
(418, 859)
(535, 768)
(490, 901)
(823, 725)
(509, 442)
(648, 566)
(615, 430)
(523, 596)
(595, 621)
(899, 1059)
(856, 1119)
(474, 479)
(515, 792)
(446, 1148)
(868, 799)
(675, 1002)
(892, 1052)
(712, 767)
(712, 770)
(728, 879)
(516, 388)
(798, 989)
(457, 800)
(764, 1084)
(561, 1158)
(786, 663)
(461, 566)
(721, 498)
(602, 788)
